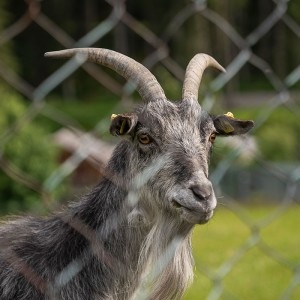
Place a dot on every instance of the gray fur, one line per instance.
(130, 237)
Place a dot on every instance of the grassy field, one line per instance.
(240, 256)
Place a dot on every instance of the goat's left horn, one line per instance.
(194, 72)
(146, 83)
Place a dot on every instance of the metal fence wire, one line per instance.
(161, 54)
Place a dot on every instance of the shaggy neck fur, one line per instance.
(98, 248)
(150, 250)
(144, 260)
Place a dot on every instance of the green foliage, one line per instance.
(278, 143)
(6, 54)
(28, 150)
(171, 85)
(87, 112)
(279, 136)
(294, 10)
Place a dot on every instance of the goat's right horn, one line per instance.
(146, 83)
(194, 72)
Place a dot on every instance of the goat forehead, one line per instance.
(160, 111)
(164, 113)
(168, 118)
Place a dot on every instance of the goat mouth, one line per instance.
(176, 204)
(206, 217)
(192, 215)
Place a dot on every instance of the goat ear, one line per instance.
(122, 124)
(228, 125)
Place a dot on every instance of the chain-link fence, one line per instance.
(282, 180)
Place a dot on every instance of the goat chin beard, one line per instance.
(165, 260)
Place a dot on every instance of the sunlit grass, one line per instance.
(244, 258)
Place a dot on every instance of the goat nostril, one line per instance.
(201, 192)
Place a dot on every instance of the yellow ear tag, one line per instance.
(229, 115)
(113, 116)
(122, 127)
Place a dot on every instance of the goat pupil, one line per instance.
(144, 139)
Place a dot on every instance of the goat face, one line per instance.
(172, 142)
(169, 143)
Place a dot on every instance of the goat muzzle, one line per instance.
(196, 203)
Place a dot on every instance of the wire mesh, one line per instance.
(161, 55)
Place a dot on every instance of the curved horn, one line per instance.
(193, 74)
(146, 84)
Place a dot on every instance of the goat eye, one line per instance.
(144, 139)
(212, 137)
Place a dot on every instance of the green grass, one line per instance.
(235, 262)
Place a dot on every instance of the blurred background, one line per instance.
(55, 115)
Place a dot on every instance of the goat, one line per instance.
(129, 238)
